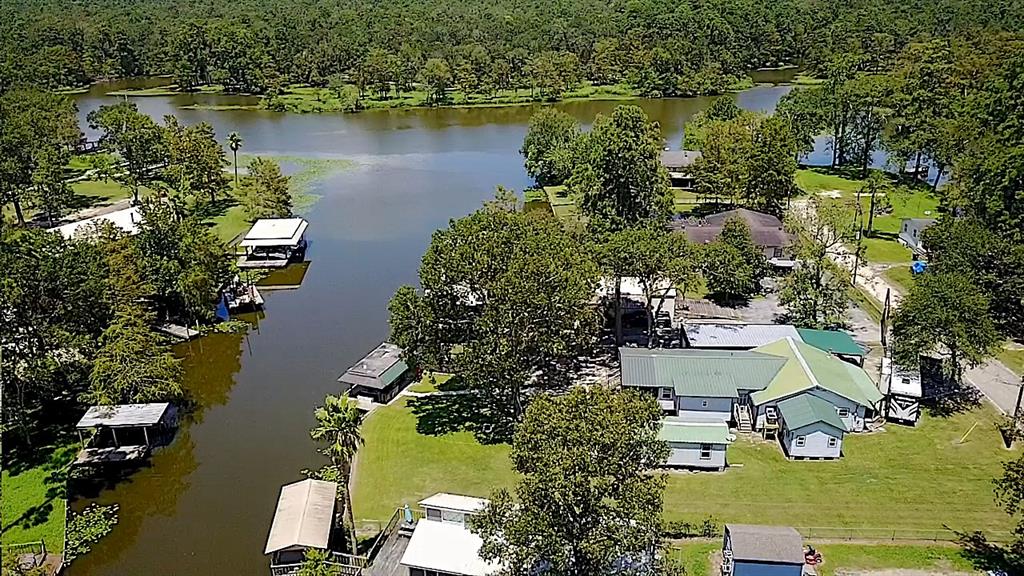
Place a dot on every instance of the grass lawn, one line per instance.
(695, 556)
(901, 276)
(900, 479)
(1013, 359)
(891, 557)
(33, 503)
(397, 465)
(430, 382)
(90, 193)
(886, 251)
(816, 180)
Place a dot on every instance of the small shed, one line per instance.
(810, 428)
(273, 242)
(123, 432)
(902, 388)
(451, 508)
(302, 520)
(692, 444)
(679, 164)
(835, 342)
(751, 550)
(730, 336)
(379, 376)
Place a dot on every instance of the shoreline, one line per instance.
(312, 100)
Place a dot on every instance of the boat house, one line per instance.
(379, 376)
(695, 444)
(303, 519)
(273, 243)
(749, 550)
(123, 432)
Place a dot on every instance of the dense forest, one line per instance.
(661, 48)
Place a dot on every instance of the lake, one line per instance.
(205, 504)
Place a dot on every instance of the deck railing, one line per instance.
(347, 565)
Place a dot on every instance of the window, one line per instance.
(832, 441)
(453, 517)
(665, 393)
(843, 412)
(705, 451)
(703, 403)
(777, 253)
(433, 514)
(801, 441)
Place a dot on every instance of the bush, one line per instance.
(706, 528)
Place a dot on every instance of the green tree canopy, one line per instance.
(135, 137)
(588, 495)
(265, 191)
(548, 146)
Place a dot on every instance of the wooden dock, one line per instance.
(250, 262)
(111, 455)
(177, 331)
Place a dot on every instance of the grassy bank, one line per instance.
(33, 506)
(1013, 358)
(909, 480)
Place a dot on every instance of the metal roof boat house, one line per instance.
(273, 243)
(303, 520)
(379, 376)
(123, 432)
(750, 550)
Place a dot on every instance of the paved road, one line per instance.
(997, 382)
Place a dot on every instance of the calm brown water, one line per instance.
(204, 506)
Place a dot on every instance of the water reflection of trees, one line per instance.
(154, 488)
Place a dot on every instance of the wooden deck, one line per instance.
(177, 331)
(251, 262)
(387, 561)
(111, 455)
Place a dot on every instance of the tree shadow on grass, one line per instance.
(985, 555)
(444, 413)
(944, 395)
(207, 210)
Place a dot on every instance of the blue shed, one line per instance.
(750, 550)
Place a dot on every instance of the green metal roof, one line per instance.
(833, 341)
(808, 367)
(807, 409)
(394, 372)
(702, 373)
(674, 429)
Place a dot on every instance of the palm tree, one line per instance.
(337, 426)
(235, 142)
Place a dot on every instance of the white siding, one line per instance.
(688, 455)
(697, 409)
(816, 437)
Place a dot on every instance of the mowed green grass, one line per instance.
(839, 558)
(397, 465)
(33, 501)
(901, 276)
(1013, 359)
(816, 180)
(901, 479)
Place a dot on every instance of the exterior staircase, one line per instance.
(743, 422)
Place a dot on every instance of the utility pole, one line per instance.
(1020, 393)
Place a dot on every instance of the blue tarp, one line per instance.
(918, 266)
(222, 308)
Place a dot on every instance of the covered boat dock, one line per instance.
(133, 430)
(273, 243)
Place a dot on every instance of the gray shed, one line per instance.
(810, 427)
(695, 444)
(751, 550)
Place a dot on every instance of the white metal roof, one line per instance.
(455, 502)
(715, 335)
(902, 381)
(124, 415)
(631, 286)
(448, 548)
(127, 219)
(303, 516)
(275, 232)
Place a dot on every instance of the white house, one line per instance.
(127, 220)
(442, 543)
(911, 230)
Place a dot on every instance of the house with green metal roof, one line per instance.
(698, 384)
(379, 376)
(809, 370)
(835, 342)
(695, 444)
(809, 427)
